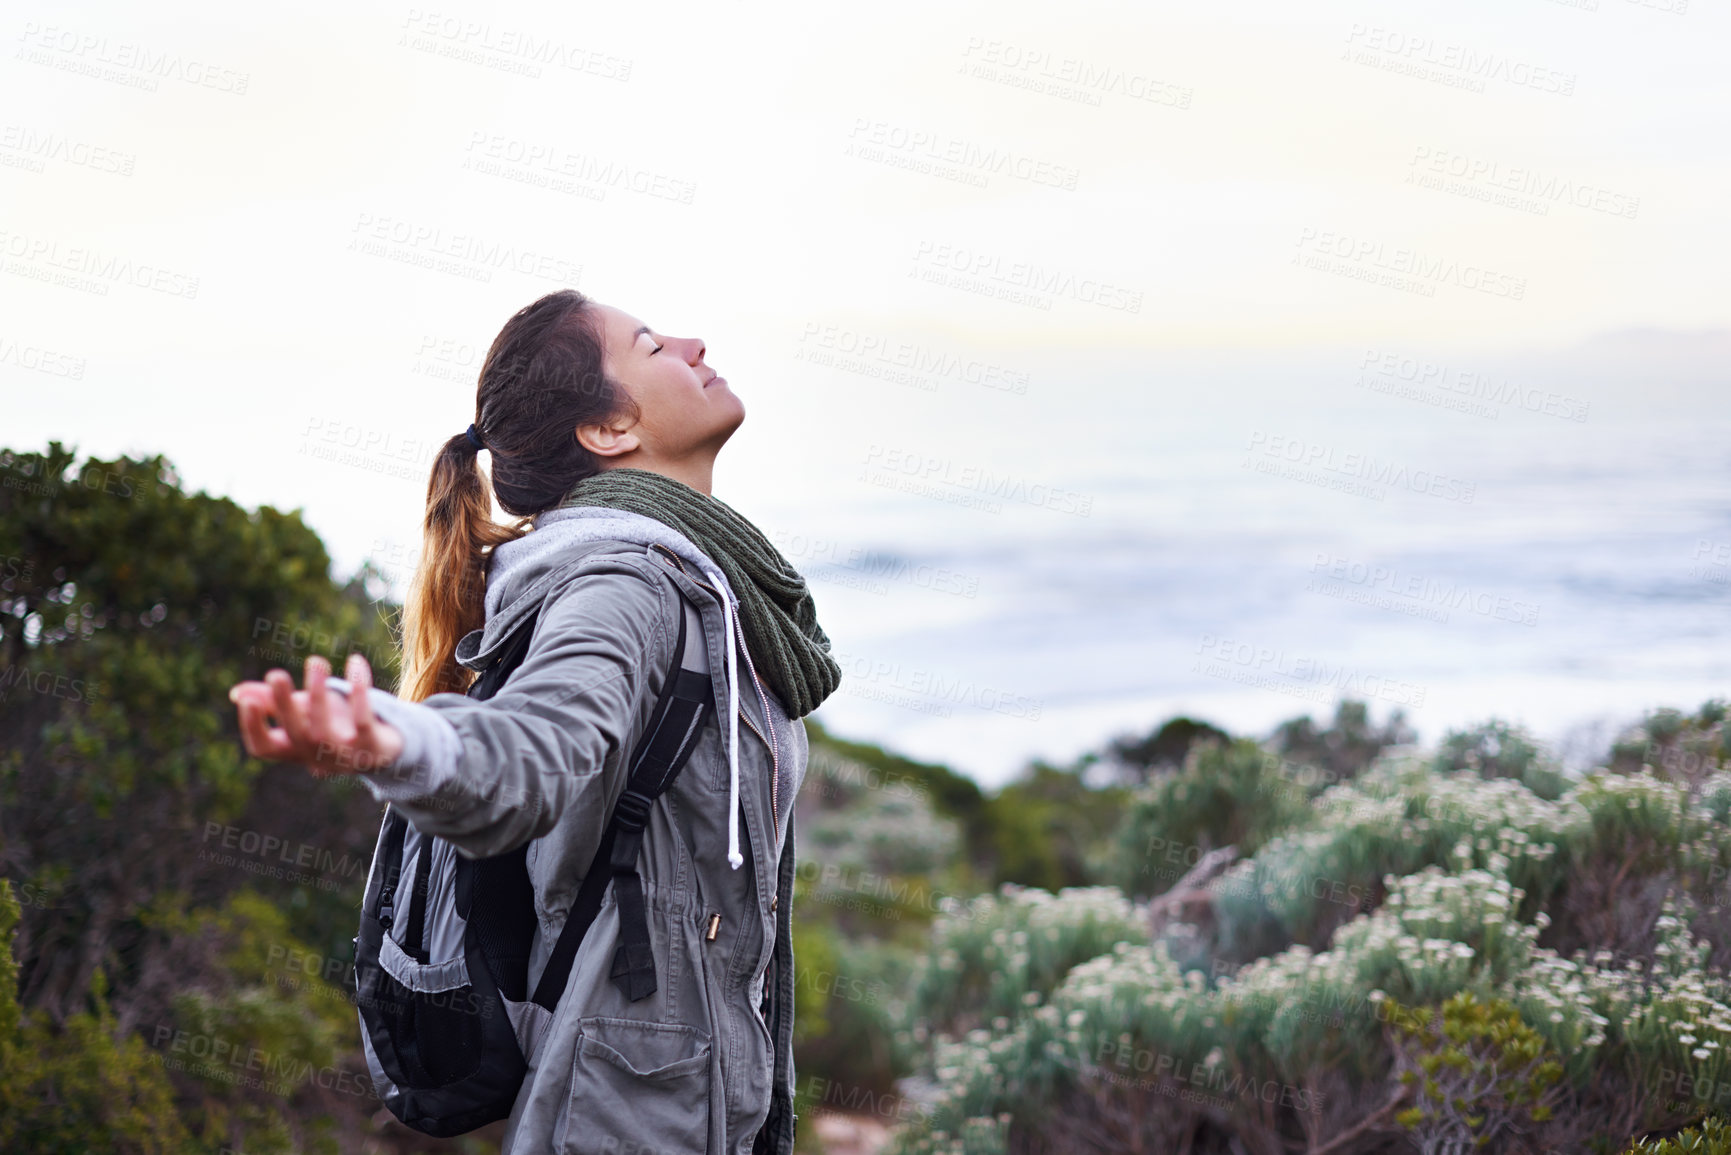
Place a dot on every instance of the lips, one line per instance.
(714, 379)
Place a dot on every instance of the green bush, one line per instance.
(1712, 1137)
(1459, 891)
(82, 1086)
(1497, 749)
(1346, 747)
(1474, 1069)
(1225, 795)
(997, 954)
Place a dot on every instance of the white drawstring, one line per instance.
(556, 530)
(734, 857)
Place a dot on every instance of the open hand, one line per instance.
(315, 726)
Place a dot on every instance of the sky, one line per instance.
(233, 235)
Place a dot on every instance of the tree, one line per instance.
(1165, 747)
(1346, 746)
(129, 811)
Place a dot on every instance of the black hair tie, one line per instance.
(474, 437)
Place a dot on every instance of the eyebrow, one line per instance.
(639, 333)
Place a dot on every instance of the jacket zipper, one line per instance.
(774, 746)
(774, 752)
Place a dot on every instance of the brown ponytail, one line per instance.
(543, 377)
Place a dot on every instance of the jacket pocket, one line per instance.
(637, 1087)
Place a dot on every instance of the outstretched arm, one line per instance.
(490, 775)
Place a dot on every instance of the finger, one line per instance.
(360, 677)
(261, 740)
(318, 667)
(282, 699)
(250, 700)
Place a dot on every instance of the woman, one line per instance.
(603, 435)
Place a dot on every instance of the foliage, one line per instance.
(82, 1086)
(1496, 749)
(949, 794)
(1712, 1137)
(1165, 747)
(1551, 937)
(1347, 746)
(1050, 829)
(1475, 1071)
(1225, 795)
(997, 953)
(127, 608)
(1682, 747)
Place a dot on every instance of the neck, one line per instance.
(698, 473)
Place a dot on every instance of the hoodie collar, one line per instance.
(521, 571)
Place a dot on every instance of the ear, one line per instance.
(607, 440)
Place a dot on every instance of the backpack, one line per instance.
(441, 961)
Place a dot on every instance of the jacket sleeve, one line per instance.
(489, 776)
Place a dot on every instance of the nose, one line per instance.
(701, 349)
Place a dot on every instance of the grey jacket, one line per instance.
(706, 1062)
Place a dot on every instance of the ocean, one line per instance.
(1244, 537)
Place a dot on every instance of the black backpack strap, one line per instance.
(389, 904)
(413, 937)
(508, 658)
(671, 735)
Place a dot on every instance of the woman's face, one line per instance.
(687, 410)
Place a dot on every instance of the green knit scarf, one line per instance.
(775, 608)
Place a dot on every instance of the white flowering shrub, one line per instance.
(1233, 795)
(1714, 803)
(883, 832)
(993, 955)
(1568, 923)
